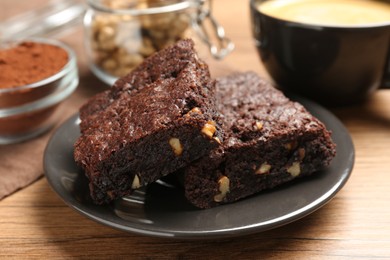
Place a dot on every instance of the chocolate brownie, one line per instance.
(162, 65)
(155, 120)
(268, 140)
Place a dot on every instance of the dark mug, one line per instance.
(333, 65)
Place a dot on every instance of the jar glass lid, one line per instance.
(142, 7)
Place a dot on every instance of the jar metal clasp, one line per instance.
(218, 44)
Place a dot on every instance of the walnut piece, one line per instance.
(176, 146)
(264, 168)
(136, 183)
(291, 145)
(217, 140)
(195, 110)
(294, 169)
(301, 153)
(209, 129)
(224, 188)
(259, 125)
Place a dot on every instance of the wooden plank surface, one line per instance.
(35, 223)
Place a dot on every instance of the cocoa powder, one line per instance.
(29, 62)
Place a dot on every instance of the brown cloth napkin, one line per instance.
(21, 163)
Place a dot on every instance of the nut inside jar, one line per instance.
(120, 42)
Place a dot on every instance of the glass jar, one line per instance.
(120, 34)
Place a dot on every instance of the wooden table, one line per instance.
(35, 223)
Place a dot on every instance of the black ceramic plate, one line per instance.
(161, 209)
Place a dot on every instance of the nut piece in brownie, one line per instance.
(155, 120)
(268, 140)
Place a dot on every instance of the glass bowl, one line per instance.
(29, 110)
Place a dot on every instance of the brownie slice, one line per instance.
(166, 64)
(268, 140)
(155, 120)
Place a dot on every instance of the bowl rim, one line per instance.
(253, 4)
(69, 66)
